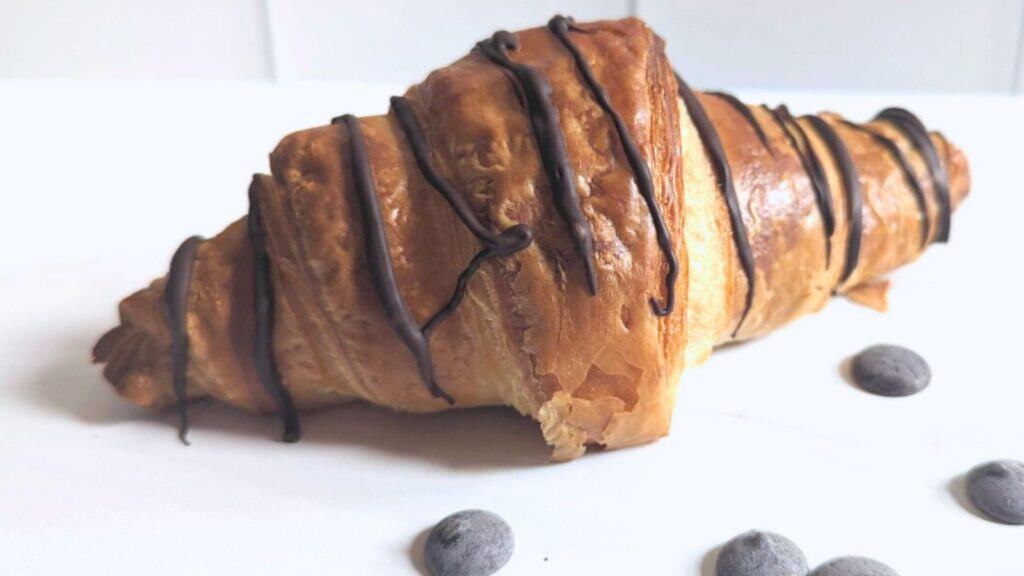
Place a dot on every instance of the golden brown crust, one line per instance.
(785, 226)
(591, 370)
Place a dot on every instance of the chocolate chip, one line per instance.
(997, 489)
(758, 553)
(469, 543)
(889, 370)
(853, 566)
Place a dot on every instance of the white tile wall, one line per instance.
(815, 44)
(402, 40)
(133, 38)
(1018, 67)
(872, 44)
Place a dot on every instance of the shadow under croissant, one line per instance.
(479, 438)
(70, 385)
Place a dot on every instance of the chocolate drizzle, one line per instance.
(379, 259)
(534, 92)
(560, 26)
(716, 153)
(547, 130)
(851, 184)
(748, 114)
(908, 173)
(179, 279)
(815, 172)
(263, 307)
(909, 124)
(508, 242)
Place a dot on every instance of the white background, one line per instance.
(103, 180)
(161, 110)
(868, 44)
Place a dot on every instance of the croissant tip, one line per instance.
(104, 347)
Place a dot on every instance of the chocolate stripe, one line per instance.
(851, 184)
(911, 126)
(713, 147)
(544, 122)
(748, 114)
(908, 173)
(509, 242)
(560, 26)
(179, 280)
(815, 173)
(263, 306)
(378, 256)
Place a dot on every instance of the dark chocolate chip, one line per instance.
(469, 543)
(758, 553)
(853, 566)
(889, 370)
(997, 489)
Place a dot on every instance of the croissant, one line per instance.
(556, 223)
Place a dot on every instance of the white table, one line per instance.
(101, 182)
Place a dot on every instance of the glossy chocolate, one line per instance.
(179, 280)
(915, 131)
(716, 153)
(510, 241)
(748, 114)
(378, 258)
(908, 173)
(561, 26)
(547, 130)
(851, 185)
(814, 170)
(263, 306)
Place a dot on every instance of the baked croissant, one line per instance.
(555, 222)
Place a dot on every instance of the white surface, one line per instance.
(101, 182)
(869, 44)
